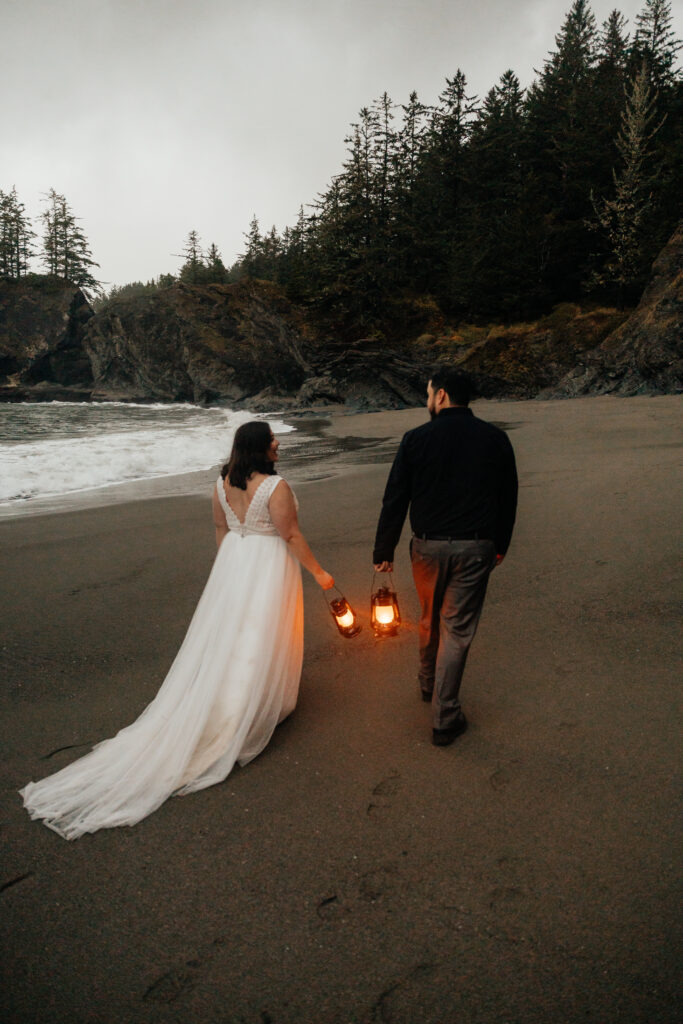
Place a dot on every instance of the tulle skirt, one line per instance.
(234, 678)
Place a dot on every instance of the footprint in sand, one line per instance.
(169, 987)
(383, 792)
(500, 778)
(180, 980)
(370, 887)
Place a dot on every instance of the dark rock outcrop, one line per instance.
(197, 344)
(42, 328)
(644, 356)
(365, 375)
(243, 344)
(518, 360)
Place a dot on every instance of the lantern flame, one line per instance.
(346, 619)
(384, 614)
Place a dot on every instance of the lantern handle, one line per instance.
(324, 592)
(388, 573)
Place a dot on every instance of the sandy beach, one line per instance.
(354, 873)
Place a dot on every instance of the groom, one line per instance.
(458, 475)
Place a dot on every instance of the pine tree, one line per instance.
(16, 236)
(295, 269)
(383, 160)
(612, 71)
(214, 271)
(272, 252)
(559, 102)
(441, 188)
(193, 269)
(357, 185)
(655, 43)
(495, 261)
(251, 262)
(613, 41)
(331, 256)
(623, 218)
(353, 227)
(408, 228)
(611, 78)
(562, 148)
(66, 253)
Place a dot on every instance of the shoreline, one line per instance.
(320, 434)
(306, 431)
(354, 438)
(525, 872)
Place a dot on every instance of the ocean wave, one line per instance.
(106, 450)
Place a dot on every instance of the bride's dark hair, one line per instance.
(252, 441)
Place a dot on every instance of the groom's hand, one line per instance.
(384, 567)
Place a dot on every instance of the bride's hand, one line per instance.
(324, 579)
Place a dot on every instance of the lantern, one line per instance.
(344, 616)
(384, 611)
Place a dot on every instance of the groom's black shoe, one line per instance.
(443, 737)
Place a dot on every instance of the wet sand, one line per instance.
(353, 872)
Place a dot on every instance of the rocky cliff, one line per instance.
(519, 360)
(242, 343)
(644, 356)
(42, 329)
(197, 344)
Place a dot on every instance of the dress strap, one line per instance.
(270, 487)
(271, 484)
(220, 488)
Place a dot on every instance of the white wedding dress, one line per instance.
(234, 678)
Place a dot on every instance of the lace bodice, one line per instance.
(257, 519)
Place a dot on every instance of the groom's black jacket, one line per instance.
(458, 475)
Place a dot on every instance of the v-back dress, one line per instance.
(235, 677)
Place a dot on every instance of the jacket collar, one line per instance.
(455, 410)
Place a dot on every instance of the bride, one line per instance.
(236, 675)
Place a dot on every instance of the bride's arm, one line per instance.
(283, 513)
(219, 520)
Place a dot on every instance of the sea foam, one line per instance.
(61, 448)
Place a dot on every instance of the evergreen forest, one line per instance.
(500, 207)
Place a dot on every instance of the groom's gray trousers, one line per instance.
(451, 577)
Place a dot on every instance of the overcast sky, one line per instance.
(154, 117)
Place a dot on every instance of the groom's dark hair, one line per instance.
(456, 383)
(252, 441)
